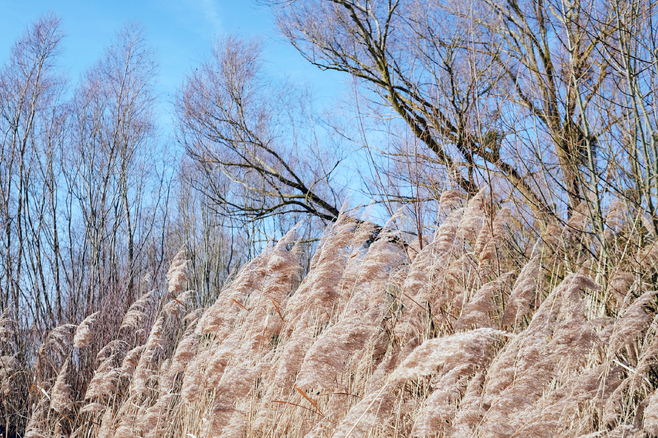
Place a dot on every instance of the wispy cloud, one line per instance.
(202, 17)
(210, 13)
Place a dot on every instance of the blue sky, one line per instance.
(180, 31)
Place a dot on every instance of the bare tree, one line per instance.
(30, 90)
(426, 64)
(253, 140)
(32, 129)
(215, 250)
(549, 54)
(633, 70)
(109, 168)
(530, 91)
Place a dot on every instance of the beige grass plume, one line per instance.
(491, 236)
(621, 283)
(471, 349)
(425, 273)
(651, 415)
(579, 219)
(60, 339)
(479, 310)
(471, 410)
(177, 275)
(92, 408)
(179, 305)
(532, 343)
(473, 218)
(104, 382)
(83, 334)
(523, 292)
(6, 328)
(187, 348)
(558, 340)
(366, 415)
(147, 361)
(282, 266)
(131, 360)
(9, 367)
(60, 396)
(443, 403)
(319, 290)
(107, 423)
(450, 199)
(137, 311)
(326, 360)
(154, 421)
(36, 423)
(633, 323)
(218, 319)
(192, 383)
(365, 303)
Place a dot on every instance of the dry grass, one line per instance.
(475, 335)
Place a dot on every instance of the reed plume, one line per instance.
(145, 369)
(137, 312)
(427, 338)
(177, 274)
(60, 397)
(83, 334)
(473, 219)
(523, 293)
(6, 328)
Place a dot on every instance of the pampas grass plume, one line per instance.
(381, 338)
(177, 275)
(83, 334)
(60, 397)
(451, 351)
(450, 198)
(137, 311)
(523, 292)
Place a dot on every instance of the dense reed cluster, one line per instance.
(483, 330)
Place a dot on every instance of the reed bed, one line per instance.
(480, 331)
